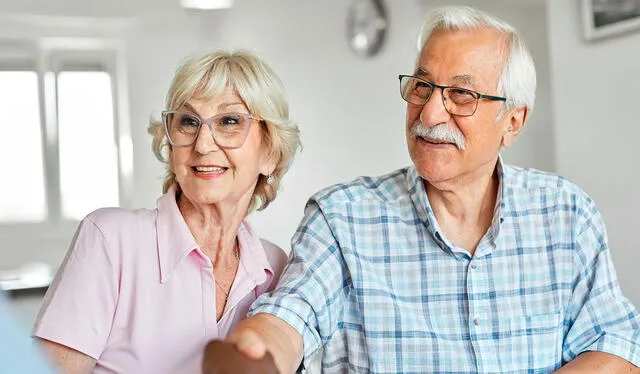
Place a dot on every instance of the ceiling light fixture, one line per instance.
(206, 4)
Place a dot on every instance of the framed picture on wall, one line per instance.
(605, 18)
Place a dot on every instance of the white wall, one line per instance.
(596, 132)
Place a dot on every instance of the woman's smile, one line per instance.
(208, 171)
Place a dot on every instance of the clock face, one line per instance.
(366, 26)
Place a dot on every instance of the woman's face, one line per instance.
(209, 174)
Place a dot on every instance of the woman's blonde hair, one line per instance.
(206, 76)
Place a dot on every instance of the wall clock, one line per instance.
(367, 24)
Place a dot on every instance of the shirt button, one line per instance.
(476, 321)
(474, 266)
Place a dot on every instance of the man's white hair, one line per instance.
(518, 78)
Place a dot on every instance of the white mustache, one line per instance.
(440, 132)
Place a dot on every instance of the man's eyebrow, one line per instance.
(464, 79)
(421, 71)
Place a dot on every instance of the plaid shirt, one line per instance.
(374, 282)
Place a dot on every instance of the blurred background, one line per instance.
(80, 79)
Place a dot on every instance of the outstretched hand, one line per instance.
(245, 356)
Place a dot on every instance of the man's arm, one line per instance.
(604, 333)
(598, 362)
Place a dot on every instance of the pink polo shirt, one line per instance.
(136, 293)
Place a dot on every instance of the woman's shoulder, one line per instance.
(109, 219)
(277, 256)
(116, 230)
(114, 237)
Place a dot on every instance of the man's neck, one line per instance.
(464, 208)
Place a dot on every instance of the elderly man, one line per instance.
(459, 263)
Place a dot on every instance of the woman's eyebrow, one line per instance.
(188, 106)
(226, 105)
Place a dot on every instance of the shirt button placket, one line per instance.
(208, 300)
(476, 324)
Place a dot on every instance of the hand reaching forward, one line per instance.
(225, 358)
(259, 344)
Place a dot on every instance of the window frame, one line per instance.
(48, 57)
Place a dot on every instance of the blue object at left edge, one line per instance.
(18, 352)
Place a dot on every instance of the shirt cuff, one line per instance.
(68, 341)
(310, 339)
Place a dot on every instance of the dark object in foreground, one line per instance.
(224, 358)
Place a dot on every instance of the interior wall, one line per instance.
(597, 127)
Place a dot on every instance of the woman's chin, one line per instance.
(199, 196)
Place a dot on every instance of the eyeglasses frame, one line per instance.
(442, 88)
(209, 123)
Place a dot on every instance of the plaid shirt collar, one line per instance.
(418, 193)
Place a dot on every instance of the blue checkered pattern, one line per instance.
(373, 281)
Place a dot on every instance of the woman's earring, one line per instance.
(270, 179)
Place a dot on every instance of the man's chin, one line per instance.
(436, 168)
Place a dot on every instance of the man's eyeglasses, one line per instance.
(457, 101)
(229, 130)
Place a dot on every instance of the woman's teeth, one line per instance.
(209, 169)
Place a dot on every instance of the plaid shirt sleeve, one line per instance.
(599, 317)
(313, 287)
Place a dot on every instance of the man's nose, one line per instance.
(434, 112)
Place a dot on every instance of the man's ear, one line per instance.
(514, 122)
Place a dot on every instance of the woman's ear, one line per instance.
(515, 121)
(268, 165)
(269, 157)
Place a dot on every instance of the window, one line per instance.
(87, 147)
(66, 144)
(22, 194)
(62, 138)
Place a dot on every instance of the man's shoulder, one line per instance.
(530, 178)
(529, 183)
(384, 188)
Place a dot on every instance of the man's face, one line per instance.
(466, 59)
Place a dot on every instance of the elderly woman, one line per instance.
(142, 291)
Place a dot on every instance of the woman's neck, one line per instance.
(214, 227)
